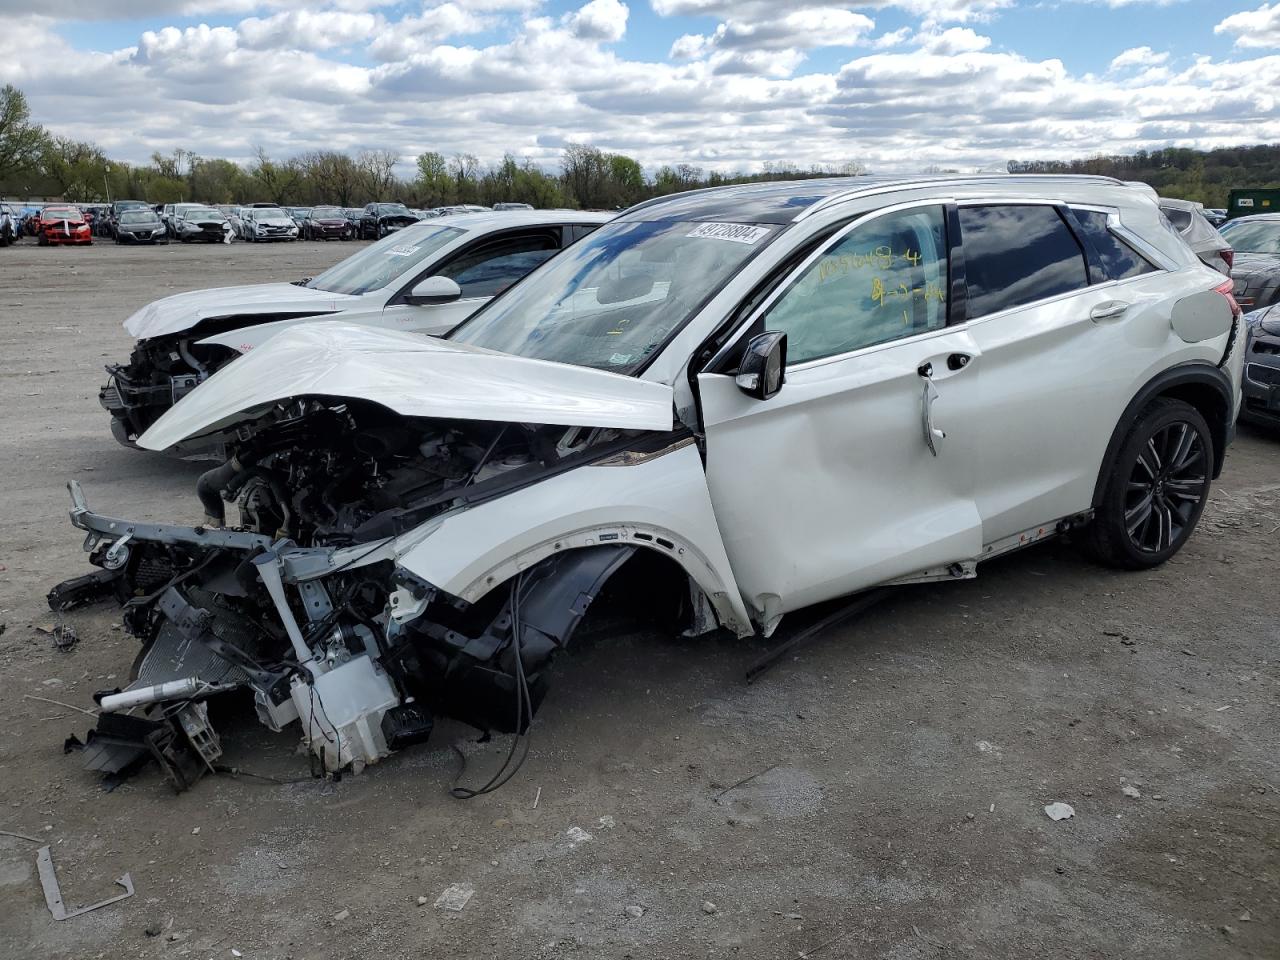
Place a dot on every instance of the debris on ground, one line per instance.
(1245, 917)
(53, 894)
(1130, 791)
(1060, 811)
(422, 901)
(633, 911)
(577, 835)
(708, 907)
(455, 897)
(341, 915)
(64, 637)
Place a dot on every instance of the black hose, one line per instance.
(209, 489)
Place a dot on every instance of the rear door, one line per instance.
(844, 479)
(1056, 306)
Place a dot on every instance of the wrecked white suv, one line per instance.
(726, 405)
(426, 279)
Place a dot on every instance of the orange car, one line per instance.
(62, 224)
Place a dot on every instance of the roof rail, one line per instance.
(885, 186)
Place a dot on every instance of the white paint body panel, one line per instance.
(666, 496)
(182, 311)
(414, 376)
(829, 487)
(431, 321)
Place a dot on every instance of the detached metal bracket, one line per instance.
(53, 895)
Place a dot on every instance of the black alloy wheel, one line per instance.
(1167, 487)
(1156, 487)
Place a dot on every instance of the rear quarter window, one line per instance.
(1119, 260)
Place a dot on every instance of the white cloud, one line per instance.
(1253, 28)
(952, 41)
(604, 20)
(1138, 57)
(488, 76)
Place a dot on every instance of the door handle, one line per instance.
(932, 435)
(1110, 310)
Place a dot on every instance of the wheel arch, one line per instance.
(1200, 384)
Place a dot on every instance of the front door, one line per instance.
(860, 470)
(481, 272)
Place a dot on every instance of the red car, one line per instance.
(62, 224)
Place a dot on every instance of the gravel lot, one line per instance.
(899, 766)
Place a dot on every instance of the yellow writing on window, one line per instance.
(929, 292)
(881, 258)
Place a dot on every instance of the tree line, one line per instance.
(34, 162)
(1205, 176)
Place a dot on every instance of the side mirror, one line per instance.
(434, 290)
(763, 368)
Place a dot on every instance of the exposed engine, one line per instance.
(160, 372)
(331, 475)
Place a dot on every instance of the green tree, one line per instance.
(434, 185)
(21, 141)
(77, 167)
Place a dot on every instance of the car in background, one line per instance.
(1261, 386)
(61, 224)
(326, 223)
(263, 223)
(107, 228)
(456, 208)
(140, 225)
(10, 224)
(171, 213)
(297, 214)
(424, 279)
(201, 225)
(1256, 271)
(1188, 219)
(353, 215)
(740, 402)
(1215, 215)
(512, 206)
(379, 219)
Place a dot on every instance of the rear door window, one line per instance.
(1017, 254)
(1118, 259)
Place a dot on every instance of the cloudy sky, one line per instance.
(728, 84)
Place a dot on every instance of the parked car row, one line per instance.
(740, 401)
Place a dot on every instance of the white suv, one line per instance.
(741, 401)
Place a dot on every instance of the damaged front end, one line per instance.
(304, 603)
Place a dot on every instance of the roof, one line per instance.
(1254, 216)
(498, 219)
(788, 200)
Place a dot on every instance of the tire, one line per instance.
(1156, 488)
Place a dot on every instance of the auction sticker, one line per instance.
(733, 232)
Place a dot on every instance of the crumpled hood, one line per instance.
(1266, 320)
(414, 376)
(183, 311)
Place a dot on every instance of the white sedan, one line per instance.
(425, 279)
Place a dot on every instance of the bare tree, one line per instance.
(378, 167)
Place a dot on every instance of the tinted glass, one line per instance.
(1018, 254)
(883, 280)
(491, 269)
(1119, 260)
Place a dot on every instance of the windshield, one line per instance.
(393, 209)
(138, 216)
(1257, 236)
(610, 300)
(62, 213)
(376, 266)
(201, 213)
(327, 213)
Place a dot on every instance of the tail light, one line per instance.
(1228, 257)
(1225, 288)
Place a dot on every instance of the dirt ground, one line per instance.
(891, 778)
